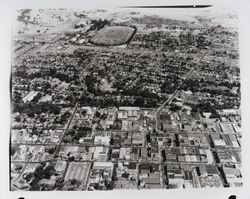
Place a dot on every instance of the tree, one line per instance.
(59, 183)
(67, 139)
(31, 114)
(49, 171)
(103, 116)
(52, 150)
(125, 175)
(71, 158)
(97, 114)
(71, 132)
(109, 185)
(55, 110)
(74, 182)
(28, 176)
(34, 185)
(84, 112)
(18, 118)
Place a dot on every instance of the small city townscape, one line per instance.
(124, 99)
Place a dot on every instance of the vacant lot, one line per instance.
(113, 35)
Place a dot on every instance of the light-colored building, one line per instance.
(102, 140)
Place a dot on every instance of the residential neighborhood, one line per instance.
(106, 100)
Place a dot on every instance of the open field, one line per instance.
(113, 35)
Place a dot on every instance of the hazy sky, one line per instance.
(89, 4)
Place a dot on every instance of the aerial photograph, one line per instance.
(126, 98)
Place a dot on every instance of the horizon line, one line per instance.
(170, 6)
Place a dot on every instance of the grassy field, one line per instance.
(113, 35)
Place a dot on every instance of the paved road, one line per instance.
(75, 108)
(188, 75)
(66, 129)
